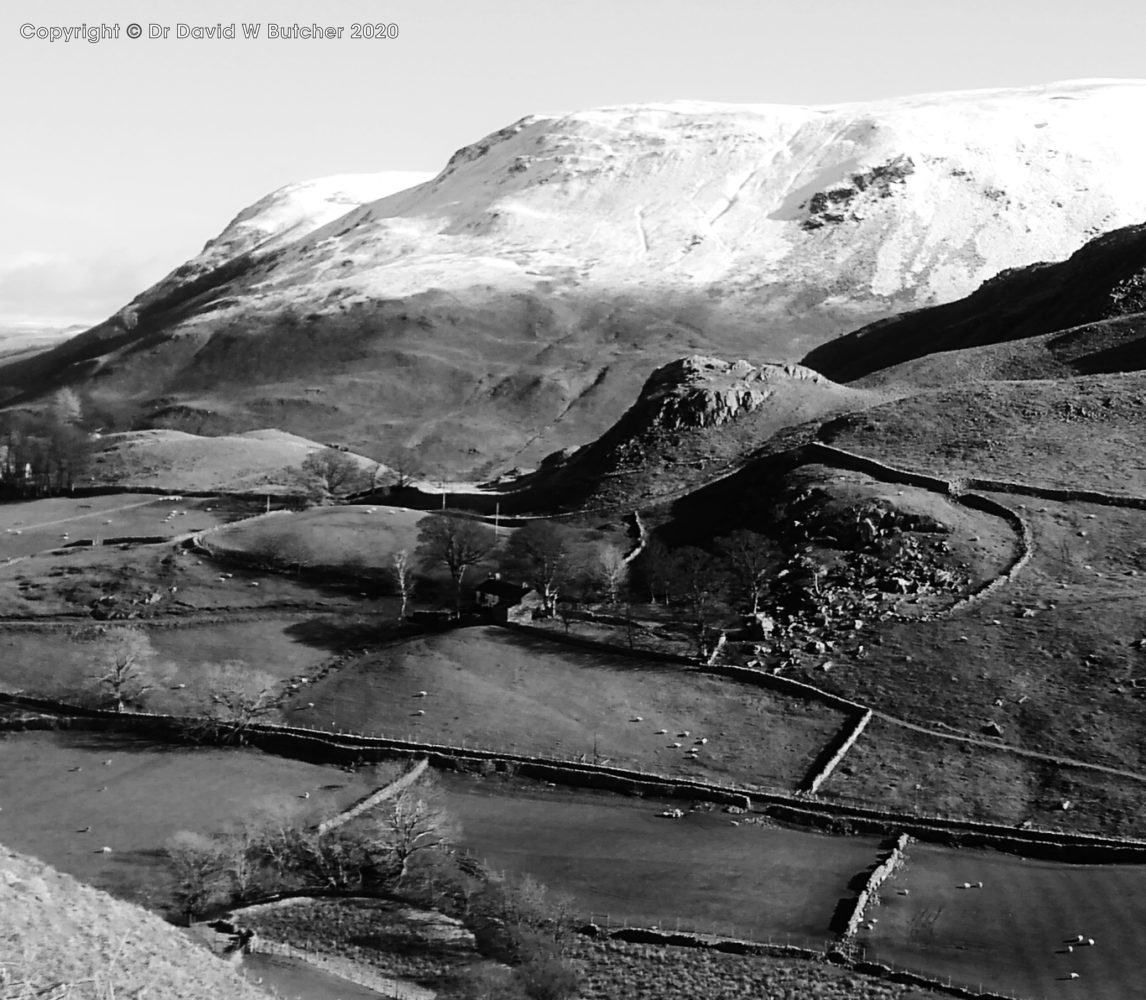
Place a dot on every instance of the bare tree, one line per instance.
(124, 676)
(542, 553)
(457, 543)
(330, 475)
(400, 467)
(197, 864)
(413, 823)
(239, 696)
(751, 559)
(284, 548)
(613, 570)
(402, 573)
(698, 582)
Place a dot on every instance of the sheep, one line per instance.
(107, 763)
(674, 746)
(637, 718)
(661, 732)
(683, 734)
(1073, 975)
(420, 694)
(421, 711)
(86, 829)
(1090, 942)
(105, 850)
(305, 795)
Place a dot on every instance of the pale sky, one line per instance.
(122, 158)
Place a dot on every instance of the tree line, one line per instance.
(44, 451)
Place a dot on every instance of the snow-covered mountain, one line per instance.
(522, 295)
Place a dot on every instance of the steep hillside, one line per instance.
(172, 460)
(695, 419)
(1097, 298)
(511, 305)
(61, 938)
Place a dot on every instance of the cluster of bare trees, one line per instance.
(128, 674)
(44, 451)
(284, 849)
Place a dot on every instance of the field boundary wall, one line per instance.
(880, 874)
(340, 748)
(396, 787)
(835, 751)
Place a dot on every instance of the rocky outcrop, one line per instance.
(701, 391)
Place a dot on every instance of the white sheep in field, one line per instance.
(661, 732)
(1074, 975)
(420, 694)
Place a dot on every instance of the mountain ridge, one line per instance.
(512, 304)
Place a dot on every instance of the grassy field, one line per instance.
(63, 662)
(55, 784)
(1011, 935)
(612, 855)
(620, 857)
(910, 771)
(489, 687)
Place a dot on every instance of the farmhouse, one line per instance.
(505, 601)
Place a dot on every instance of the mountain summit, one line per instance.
(512, 304)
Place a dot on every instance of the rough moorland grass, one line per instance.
(61, 940)
(908, 771)
(648, 972)
(393, 939)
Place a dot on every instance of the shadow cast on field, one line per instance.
(579, 656)
(339, 635)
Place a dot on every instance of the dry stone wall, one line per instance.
(395, 787)
(846, 740)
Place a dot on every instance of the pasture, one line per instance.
(36, 525)
(611, 854)
(1012, 935)
(134, 794)
(493, 688)
(354, 537)
(180, 662)
(620, 857)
